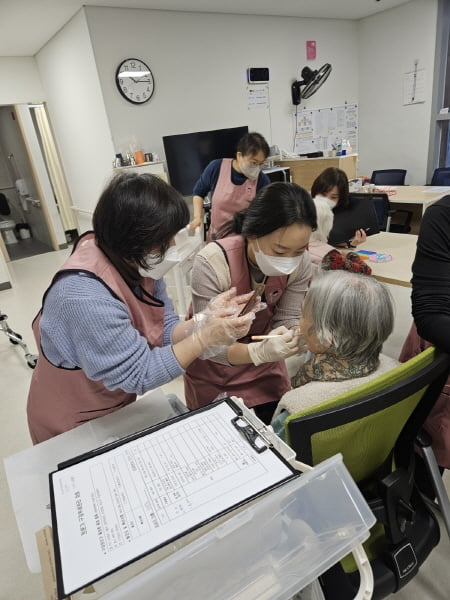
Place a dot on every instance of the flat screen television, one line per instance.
(187, 154)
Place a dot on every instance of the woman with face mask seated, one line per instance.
(107, 330)
(332, 186)
(232, 183)
(346, 318)
(265, 244)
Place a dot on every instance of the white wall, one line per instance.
(392, 135)
(199, 62)
(76, 110)
(20, 81)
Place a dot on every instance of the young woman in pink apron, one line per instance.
(267, 244)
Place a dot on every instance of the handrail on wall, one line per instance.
(82, 210)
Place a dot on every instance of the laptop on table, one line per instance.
(360, 214)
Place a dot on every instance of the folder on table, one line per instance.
(125, 500)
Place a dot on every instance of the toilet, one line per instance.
(7, 230)
(7, 226)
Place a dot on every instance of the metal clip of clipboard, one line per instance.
(255, 438)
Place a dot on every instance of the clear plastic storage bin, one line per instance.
(271, 549)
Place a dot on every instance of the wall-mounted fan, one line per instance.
(311, 82)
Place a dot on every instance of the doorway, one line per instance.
(30, 179)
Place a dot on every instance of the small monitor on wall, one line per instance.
(187, 154)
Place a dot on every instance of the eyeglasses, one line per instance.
(254, 163)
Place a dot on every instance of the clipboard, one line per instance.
(123, 501)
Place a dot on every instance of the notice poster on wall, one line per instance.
(324, 128)
(414, 87)
(257, 97)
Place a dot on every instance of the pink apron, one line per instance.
(204, 380)
(60, 398)
(228, 198)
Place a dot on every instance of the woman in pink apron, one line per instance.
(107, 330)
(232, 183)
(267, 244)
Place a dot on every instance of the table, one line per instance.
(396, 275)
(28, 470)
(206, 549)
(423, 195)
(305, 170)
(403, 249)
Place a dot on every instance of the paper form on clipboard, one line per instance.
(119, 503)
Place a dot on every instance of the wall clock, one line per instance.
(135, 80)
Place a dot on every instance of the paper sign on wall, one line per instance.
(257, 96)
(414, 87)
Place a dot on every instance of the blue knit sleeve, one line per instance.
(84, 326)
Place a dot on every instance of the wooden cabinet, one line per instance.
(305, 170)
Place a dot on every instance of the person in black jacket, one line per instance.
(431, 276)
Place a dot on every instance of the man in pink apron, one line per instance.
(232, 183)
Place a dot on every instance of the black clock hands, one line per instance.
(129, 74)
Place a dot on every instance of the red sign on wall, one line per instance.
(311, 50)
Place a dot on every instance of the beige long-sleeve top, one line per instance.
(211, 276)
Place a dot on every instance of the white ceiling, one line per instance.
(26, 25)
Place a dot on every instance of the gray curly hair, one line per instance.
(353, 313)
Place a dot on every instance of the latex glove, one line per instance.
(284, 344)
(217, 330)
(229, 302)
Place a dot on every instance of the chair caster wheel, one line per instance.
(17, 336)
(31, 360)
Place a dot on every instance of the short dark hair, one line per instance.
(275, 206)
(327, 180)
(135, 213)
(252, 143)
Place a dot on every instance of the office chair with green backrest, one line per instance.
(374, 427)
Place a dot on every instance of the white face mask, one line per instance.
(250, 172)
(276, 265)
(159, 269)
(331, 203)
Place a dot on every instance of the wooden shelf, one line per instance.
(305, 170)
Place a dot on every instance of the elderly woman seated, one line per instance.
(346, 318)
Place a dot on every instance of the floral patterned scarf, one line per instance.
(328, 367)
